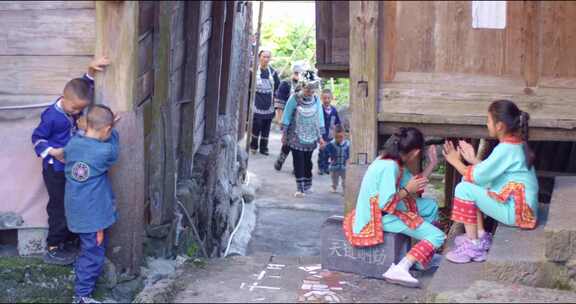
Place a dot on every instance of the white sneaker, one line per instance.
(397, 275)
(333, 190)
(299, 194)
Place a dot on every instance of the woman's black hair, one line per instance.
(516, 122)
(402, 142)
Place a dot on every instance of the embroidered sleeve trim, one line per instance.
(469, 175)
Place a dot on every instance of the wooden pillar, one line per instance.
(117, 38)
(531, 43)
(364, 83)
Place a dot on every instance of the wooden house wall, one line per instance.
(43, 44)
(332, 38)
(436, 69)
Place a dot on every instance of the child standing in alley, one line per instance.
(89, 200)
(58, 124)
(338, 151)
(331, 119)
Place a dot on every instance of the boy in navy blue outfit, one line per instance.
(58, 123)
(89, 200)
(338, 151)
(331, 119)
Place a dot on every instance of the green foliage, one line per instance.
(340, 89)
(290, 41)
(192, 250)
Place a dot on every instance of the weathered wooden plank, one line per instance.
(39, 75)
(388, 34)
(44, 5)
(323, 31)
(415, 31)
(146, 53)
(364, 20)
(117, 37)
(213, 87)
(23, 100)
(474, 131)
(547, 109)
(148, 16)
(531, 43)
(145, 87)
(558, 42)
(51, 32)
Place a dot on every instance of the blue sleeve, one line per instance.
(491, 168)
(276, 81)
(288, 112)
(283, 92)
(114, 142)
(337, 120)
(320, 117)
(330, 150)
(387, 186)
(42, 133)
(89, 79)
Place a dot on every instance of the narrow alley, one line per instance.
(283, 262)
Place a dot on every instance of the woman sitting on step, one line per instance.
(504, 186)
(388, 201)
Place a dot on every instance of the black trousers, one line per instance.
(58, 232)
(302, 161)
(260, 130)
(285, 150)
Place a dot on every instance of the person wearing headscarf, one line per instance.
(267, 81)
(287, 88)
(303, 126)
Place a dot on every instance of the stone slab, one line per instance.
(560, 230)
(31, 241)
(492, 292)
(338, 255)
(517, 256)
(453, 277)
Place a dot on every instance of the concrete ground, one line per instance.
(282, 262)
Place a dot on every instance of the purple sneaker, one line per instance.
(485, 240)
(466, 253)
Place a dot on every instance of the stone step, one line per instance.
(560, 230)
(338, 255)
(452, 277)
(493, 292)
(518, 256)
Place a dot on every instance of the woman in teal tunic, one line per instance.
(388, 201)
(504, 186)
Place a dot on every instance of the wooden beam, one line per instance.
(474, 131)
(364, 82)
(388, 43)
(117, 38)
(531, 43)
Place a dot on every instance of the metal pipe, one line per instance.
(25, 107)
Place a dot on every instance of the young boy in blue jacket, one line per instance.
(331, 119)
(89, 200)
(58, 123)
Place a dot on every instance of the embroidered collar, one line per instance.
(511, 140)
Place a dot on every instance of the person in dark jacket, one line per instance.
(267, 81)
(58, 124)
